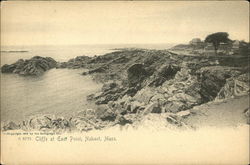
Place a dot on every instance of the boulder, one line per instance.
(174, 120)
(60, 124)
(133, 106)
(130, 118)
(175, 106)
(144, 95)
(105, 113)
(90, 119)
(159, 98)
(123, 120)
(40, 122)
(152, 108)
(83, 124)
(108, 115)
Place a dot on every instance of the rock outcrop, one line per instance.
(75, 63)
(235, 86)
(159, 81)
(213, 79)
(35, 66)
(136, 74)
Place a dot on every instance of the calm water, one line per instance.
(59, 91)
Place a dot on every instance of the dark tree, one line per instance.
(217, 38)
(244, 48)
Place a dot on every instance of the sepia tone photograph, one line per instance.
(125, 82)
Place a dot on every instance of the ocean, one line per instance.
(61, 92)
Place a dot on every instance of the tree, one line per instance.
(244, 48)
(217, 38)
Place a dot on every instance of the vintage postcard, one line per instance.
(125, 82)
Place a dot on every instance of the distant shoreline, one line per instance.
(14, 51)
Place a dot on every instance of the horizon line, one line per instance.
(92, 44)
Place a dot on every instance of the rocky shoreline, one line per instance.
(35, 66)
(139, 84)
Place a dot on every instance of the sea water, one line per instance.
(61, 92)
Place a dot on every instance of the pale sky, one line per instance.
(127, 22)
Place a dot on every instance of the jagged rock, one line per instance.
(85, 73)
(152, 108)
(234, 86)
(173, 119)
(124, 101)
(105, 113)
(165, 72)
(175, 106)
(61, 65)
(8, 68)
(130, 118)
(159, 98)
(35, 66)
(45, 123)
(13, 68)
(213, 79)
(144, 95)
(101, 69)
(105, 98)
(135, 106)
(122, 59)
(136, 74)
(20, 64)
(10, 126)
(183, 97)
(90, 119)
(110, 92)
(108, 86)
(123, 120)
(78, 62)
(40, 122)
(108, 115)
(83, 124)
(177, 94)
(131, 91)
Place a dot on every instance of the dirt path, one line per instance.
(220, 114)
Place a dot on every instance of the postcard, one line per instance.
(125, 82)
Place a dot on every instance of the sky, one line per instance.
(122, 22)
